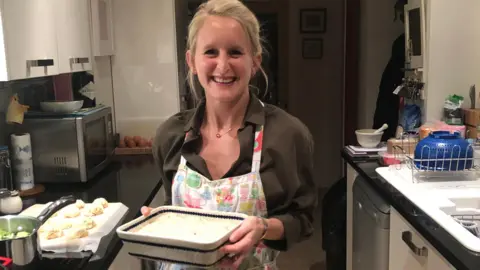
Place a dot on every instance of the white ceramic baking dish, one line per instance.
(188, 252)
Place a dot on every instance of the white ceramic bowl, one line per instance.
(366, 138)
(61, 106)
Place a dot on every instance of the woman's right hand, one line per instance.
(146, 210)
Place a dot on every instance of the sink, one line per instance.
(463, 207)
(466, 212)
(450, 201)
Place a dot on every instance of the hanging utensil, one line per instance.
(472, 97)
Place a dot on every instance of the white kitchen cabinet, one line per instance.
(409, 250)
(102, 27)
(29, 39)
(73, 35)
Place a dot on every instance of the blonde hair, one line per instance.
(231, 9)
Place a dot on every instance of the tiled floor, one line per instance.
(307, 255)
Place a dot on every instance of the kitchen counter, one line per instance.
(133, 181)
(450, 248)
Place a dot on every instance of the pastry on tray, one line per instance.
(101, 201)
(53, 233)
(93, 210)
(89, 223)
(75, 233)
(79, 204)
(71, 211)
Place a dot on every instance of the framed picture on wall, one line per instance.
(313, 20)
(312, 48)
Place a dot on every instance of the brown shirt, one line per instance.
(286, 168)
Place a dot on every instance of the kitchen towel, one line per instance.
(22, 161)
(21, 146)
(23, 174)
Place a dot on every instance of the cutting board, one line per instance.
(105, 223)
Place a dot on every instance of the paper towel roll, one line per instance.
(23, 173)
(22, 148)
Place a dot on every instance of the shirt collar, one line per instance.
(255, 114)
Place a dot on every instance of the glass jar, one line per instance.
(5, 169)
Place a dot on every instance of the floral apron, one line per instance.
(241, 194)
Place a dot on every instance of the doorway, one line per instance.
(269, 32)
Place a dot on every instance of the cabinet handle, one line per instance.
(79, 60)
(407, 238)
(39, 63)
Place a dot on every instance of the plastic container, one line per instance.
(168, 247)
(390, 159)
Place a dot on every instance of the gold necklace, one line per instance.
(218, 135)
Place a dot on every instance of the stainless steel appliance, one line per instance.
(371, 228)
(71, 147)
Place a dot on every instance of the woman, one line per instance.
(233, 153)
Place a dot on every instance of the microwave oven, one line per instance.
(70, 147)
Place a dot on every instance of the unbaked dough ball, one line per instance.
(45, 227)
(79, 204)
(53, 233)
(93, 210)
(75, 233)
(89, 223)
(62, 224)
(101, 201)
(71, 212)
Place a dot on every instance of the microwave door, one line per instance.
(96, 153)
(415, 33)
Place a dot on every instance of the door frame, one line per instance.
(350, 94)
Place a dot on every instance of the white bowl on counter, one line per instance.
(61, 106)
(175, 234)
(367, 138)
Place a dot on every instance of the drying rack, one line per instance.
(456, 166)
(452, 165)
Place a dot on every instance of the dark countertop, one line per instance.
(133, 181)
(456, 254)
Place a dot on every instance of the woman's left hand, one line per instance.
(243, 240)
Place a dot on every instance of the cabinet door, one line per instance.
(73, 35)
(102, 27)
(409, 251)
(30, 39)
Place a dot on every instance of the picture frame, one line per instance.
(312, 48)
(313, 20)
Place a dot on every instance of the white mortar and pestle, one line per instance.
(370, 138)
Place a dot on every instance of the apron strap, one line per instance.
(183, 161)
(257, 147)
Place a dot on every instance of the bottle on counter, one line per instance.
(478, 135)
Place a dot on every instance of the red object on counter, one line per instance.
(5, 261)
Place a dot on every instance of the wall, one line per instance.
(453, 52)
(316, 86)
(377, 33)
(102, 72)
(144, 68)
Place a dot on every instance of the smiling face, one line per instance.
(223, 59)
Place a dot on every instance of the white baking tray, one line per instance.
(189, 252)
